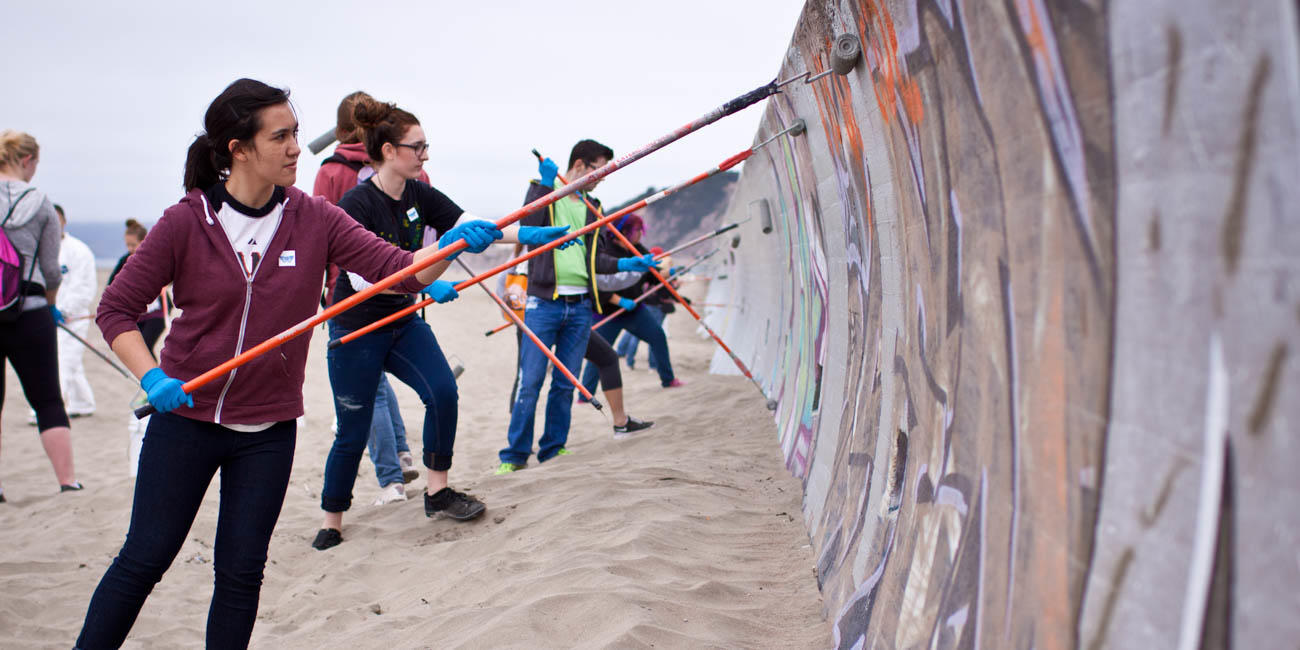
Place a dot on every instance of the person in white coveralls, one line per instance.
(76, 295)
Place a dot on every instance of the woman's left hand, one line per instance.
(441, 291)
(478, 235)
(540, 235)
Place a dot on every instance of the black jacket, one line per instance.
(541, 269)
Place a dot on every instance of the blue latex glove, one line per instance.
(642, 263)
(538, 235)
(441, 291)
(549, 170)
(627, 304)
(58, 315)
(164, 392)
(478, 234)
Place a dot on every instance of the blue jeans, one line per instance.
(387, 435)
(177, 462)
(626, 347)
(411, 353)
(642, 324)
(628, 343)
(565, 326)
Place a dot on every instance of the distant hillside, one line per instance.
(689, 213)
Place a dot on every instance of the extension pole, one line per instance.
(509, 264)
(771, 404)
(733, 106)
(536, 341)
(99, 354)
(649, 292)
(504, 326)
(700, 239)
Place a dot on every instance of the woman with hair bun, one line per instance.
(27, 334)
(395, 205)
(152, 323)
(245, 253)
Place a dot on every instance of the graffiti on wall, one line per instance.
(944, 267)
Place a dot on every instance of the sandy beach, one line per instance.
(687, 535)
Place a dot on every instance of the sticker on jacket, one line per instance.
(288, 258)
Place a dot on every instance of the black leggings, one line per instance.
(602, 355)
(599, 352)
(31, 348)
(151, 329)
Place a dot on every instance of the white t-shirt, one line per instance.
(249, 237)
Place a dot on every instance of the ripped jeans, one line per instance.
(410, 353)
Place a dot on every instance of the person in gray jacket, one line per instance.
(27, 338)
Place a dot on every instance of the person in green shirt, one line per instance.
(562, 293)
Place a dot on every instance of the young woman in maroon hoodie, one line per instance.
(245, 252)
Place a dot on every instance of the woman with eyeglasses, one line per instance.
(245, 252)
(398, 207)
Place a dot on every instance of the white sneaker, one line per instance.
(394, 492)
(407, 463)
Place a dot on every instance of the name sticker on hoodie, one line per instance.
(288, 258)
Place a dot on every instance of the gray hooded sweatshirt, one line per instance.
(34, 230)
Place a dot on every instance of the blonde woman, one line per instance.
(27, 325)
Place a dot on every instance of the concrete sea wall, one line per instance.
(1030, 307)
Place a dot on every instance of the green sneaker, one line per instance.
(507, 468)
(564, 451)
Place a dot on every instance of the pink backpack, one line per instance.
(11, 271)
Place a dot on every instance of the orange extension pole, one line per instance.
(651, 291)
(733, 106)
(702, 238)
(536, 341)
(509, 264)
(504, 326)
(716, 339)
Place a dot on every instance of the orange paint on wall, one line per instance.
(889, 80)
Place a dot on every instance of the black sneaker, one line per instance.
(327, 538)
(632, 426)
(72, 487)
(450, 503)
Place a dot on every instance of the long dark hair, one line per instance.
(234, 115)
(380, 122)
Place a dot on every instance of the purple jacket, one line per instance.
(224, 314)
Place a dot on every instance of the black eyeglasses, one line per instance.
(419, 148)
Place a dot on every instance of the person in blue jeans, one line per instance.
(562, 293)
(639, 319)
(398, 207)
(387, 446)
(389, 451)
(627, 342)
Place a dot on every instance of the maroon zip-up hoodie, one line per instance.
(225, 314)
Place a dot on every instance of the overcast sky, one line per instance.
(115, 94)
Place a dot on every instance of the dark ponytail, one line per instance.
(234, 115)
